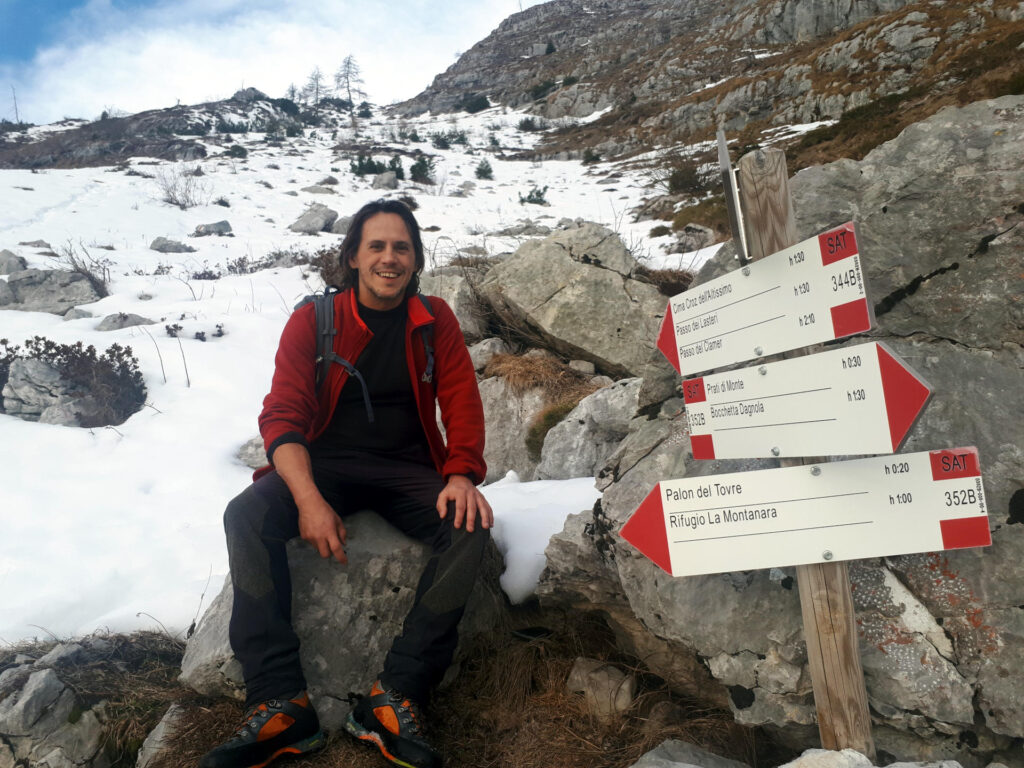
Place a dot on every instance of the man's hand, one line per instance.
(320, 525)
(470, 504)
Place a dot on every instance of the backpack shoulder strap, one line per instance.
(427, 335)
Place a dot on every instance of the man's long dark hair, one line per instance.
(354, 236)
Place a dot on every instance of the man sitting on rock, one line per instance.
(367, 438)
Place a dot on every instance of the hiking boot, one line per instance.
(270, 730)
(393, 723)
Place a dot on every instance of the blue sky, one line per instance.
(76, 58)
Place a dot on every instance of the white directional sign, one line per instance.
(802, 295)
(887, 505)
(854, 400)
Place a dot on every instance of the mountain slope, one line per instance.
(671, 71)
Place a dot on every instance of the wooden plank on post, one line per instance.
(826, 600)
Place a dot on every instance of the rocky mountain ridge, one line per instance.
(669, 71)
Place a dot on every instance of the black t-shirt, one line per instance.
(396, 430)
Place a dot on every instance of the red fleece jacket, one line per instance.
(293, 413)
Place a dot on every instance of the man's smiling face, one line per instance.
(385, 261)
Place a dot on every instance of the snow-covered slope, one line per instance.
(121, 527)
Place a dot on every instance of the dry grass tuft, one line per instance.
(523, 373)
(669, 282)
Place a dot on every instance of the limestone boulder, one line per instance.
(341, 225)
(38, 391)
(938, 223)
(11, 262)
(579, 444)
(606, 689)
(482, 352)
(33, 386)
(461, 296)
(507, 418)
(346, 618)
(218, 228)
(681, 754)
(252, 453)
(386, 180)
(120, 320)
(316, 218)
(574, 290)
(165, 245)
(54, 291)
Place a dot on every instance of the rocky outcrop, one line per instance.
(461, 296)
(11, 262)
(121, 320)
(37, 391)
(45, 290)
(579, 444)
(575, 291)
(166, 134)
(672, 71)
(315, 219)
(43, 721)
(218, 228)
(940, 228)
(164, 245)
(507, 417)
(346, 619)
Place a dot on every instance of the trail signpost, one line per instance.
(854, 400)
(809, 512)
(846, 510)
(802, 295)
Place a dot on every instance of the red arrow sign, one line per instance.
(847, 510)
(805, 294)
(854, 400)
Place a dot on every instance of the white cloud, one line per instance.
(197, 50)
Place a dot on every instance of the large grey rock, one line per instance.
(507, 417)
(156, 745)
(341, 225)
(11, 262)
(579, 444)
(316, 218)
(606, 689)
(482, 352)
(6, 294)
(32, 387)
(938, 225)
(680, 754)
(461, 296)
(37, 391)
(252, 454)
(574, 290)
(345, 616)
(386, 180)
(219, 228)
(38, 709)
(164, 245)
(826, 758)
(121, 320)
(55, 291)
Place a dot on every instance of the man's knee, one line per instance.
(241, 513)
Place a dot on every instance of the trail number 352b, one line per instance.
(961, 497)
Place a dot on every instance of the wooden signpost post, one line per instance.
(855, 400)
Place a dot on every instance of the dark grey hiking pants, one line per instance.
(259, 522)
